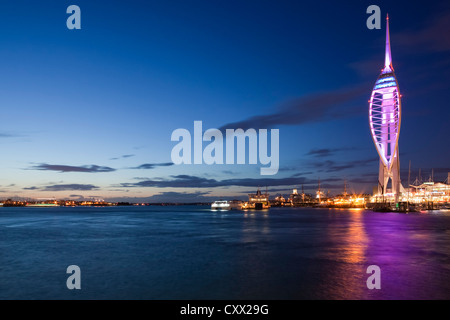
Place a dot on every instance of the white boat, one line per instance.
(226, 205)
(42, 205)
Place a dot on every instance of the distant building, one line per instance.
(429, 192)
(280, 201)
(299, 199)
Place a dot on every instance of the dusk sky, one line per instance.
(90, 112)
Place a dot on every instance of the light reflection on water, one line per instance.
(192, 253)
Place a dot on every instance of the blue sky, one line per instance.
(90, 112)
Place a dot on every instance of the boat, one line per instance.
(405, 207)
(42, 205)
(257, 201)
(224, 205)
(380, 207)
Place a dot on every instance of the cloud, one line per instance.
(188, 181)
(79, 196)
(302, 173)
(229, 172)
(294, 168)
(64, 168)
(9, 135)
(180, 197)
(123, 157)
(325, 152)
(271, 191)
(320, 152)
(317, 107)
(171, 197)
(70, 187)
(65, 187)
(333, 166)
(147, 166)
(31, 188)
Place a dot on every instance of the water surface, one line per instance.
(189, 252)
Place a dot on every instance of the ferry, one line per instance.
(257, 201)
(42, 205)
(224, 205)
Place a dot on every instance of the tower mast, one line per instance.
(388, 56)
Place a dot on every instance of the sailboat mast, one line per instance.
(409, 177)
(319, 190)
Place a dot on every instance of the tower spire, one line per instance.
(388, 57)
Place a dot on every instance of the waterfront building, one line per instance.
(436, 192)
(299, 199)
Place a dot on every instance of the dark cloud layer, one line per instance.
(31, 188)
(65, 187)
(70, 187)
(325, 152)
(317, 107)
(188, 181)
(7, 135)
(65, 168)
(333, 166)
(147, 166)
(171, 197)
(123, 157)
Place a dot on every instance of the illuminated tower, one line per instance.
(385, 118)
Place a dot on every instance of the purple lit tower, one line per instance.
(385, 118)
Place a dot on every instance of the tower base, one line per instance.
(394, 174)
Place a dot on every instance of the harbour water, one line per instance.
(189, 252)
